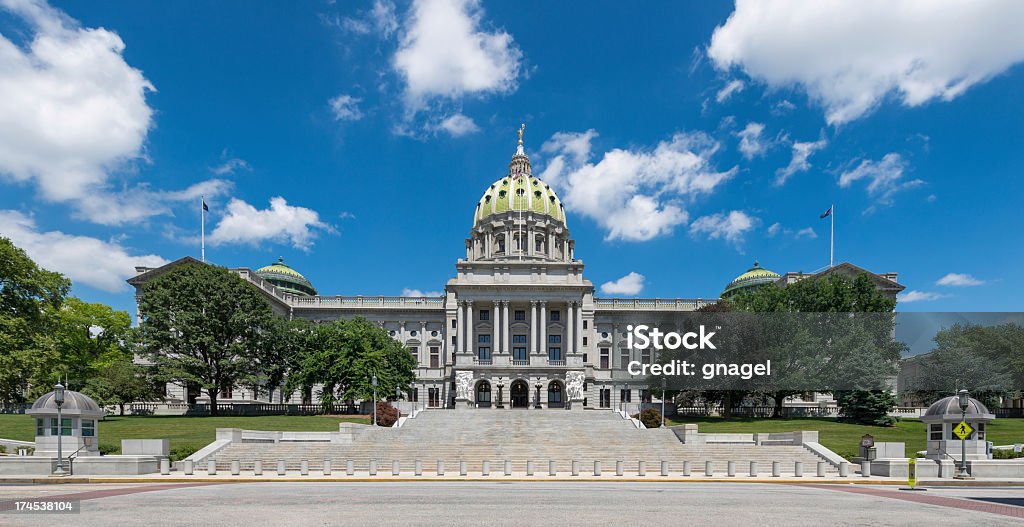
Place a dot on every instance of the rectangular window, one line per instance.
(485, 314)
(584, 385)
(606, 398)
(554, 339)
(625, 395)
(435, 357)
(624, 360)
(555, 353)
(519, 354)
(65, 426)
(40, 427)
(88, 428)
(585, 358)
(484, 353)
(935, 432)
(604, 358)
(584, 341)
(454, 341)
(519, 339)
(520, 314)
(556, 315)
(454, 322)
(584, 324)
(483, 338)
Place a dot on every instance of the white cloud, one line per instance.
(458, 125)
(71, 109)
(884, 178)
(959, 279)
(419, 293)
(635, 194)
(802, 151)
(141, 202)
(849, 56)
(733, 87)
(919, 296)
(444, 51)
(281, 223)
(774, 229)
(345, 108)
(100, 264)
(806, 232)
(631, 284)
(751, 142)
(230, 166)
(380, 18)
(730, 227)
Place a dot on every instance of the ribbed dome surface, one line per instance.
(287, 279)
(519, 191)
(753, 277)
(75, 403)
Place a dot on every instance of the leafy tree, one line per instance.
(277, 355)
(120, 382)
(867, 406)
(30, 297)
(85, 339)
(966, 356)
(343, 356)
(203, 324)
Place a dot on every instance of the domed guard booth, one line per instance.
(943, 417)
(73, 424)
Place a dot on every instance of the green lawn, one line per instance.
(844, 438)
(187, 434)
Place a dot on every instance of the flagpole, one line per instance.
(832, 238)
(202, 222)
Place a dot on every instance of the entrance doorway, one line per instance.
(483, 394)
(520, 394)
(555, 395)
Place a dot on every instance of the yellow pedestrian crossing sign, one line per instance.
(963, 430)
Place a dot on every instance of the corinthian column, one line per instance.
(460, 325)
(508, 328)
(498, 329)
(570, 319)
(533, 327)
(543, 327)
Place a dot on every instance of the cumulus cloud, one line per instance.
(802, 152)
(730, 227)
(848, 56)
(884, 177)
(100, 264)
(733, 87)
(445, 51)
(345, 108)
(282, 223)
(458, 125)
(806, 232)
(634, 194)
(751, 142)
(919, 296)
(631, 284)
(419, 293)
(959, 280)
(230, 166)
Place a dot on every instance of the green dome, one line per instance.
(756, 276)
(286, 279)
(519, 191)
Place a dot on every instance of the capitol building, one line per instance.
(518, 325)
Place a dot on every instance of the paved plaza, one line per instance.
(517, 503)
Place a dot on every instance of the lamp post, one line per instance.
(664, 384)
(373, 381)
(501, 396)
(58, 397)
(964, 402)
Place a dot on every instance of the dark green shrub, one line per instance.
(1006, 454)
(179, 452)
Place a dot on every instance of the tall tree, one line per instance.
(30, 297)
(204, 324)
(85, 339)
(965, 356)
(119, 383)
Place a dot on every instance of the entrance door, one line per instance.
(555, 399)
(483, 394)
(520, 394)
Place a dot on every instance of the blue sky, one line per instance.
(354, 139)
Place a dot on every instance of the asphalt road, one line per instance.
(517, 503)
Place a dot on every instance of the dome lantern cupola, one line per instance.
(519, 191)
(286, 279)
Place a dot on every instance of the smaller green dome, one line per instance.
(756, 276)
(286, 279)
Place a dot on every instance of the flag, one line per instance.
(207, 209)
(827, 213)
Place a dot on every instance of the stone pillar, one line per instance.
(533, 327)
(424, 355)
(506, 331)
(460, 325)
(578, 332)
(570, 318)
(543, 328)
(498, 334)
(469, 326)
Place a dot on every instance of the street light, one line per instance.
(58, 397)
(664, 383)
(373, 381)
(964, 402)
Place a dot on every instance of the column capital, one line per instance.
(533, 302)
(543, 303)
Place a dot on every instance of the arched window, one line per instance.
(555, 395)
(538, 244)
(483, 394)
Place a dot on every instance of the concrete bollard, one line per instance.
(463, 468)
(552, 468)
(618, 468)
(165, 466)
(396, 467)
(440, 467)
(373, 467)
(350, 467)
(508, 467)
(821, 469)
(597, 468)
(865, 469)
(686, 468)
(529, 467)
(707, 469)
(304, 467)
(189, 467)
(236, 467)
(575, 468)
(798, 469)
(281, 469)
(486, 469)
(753, 469)
(211, 468)
(844, 469)
(417, 468)
(664, 468)
(641, 468)
(257, 467)
(326, 467)
(776, 469)
(731, 469)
